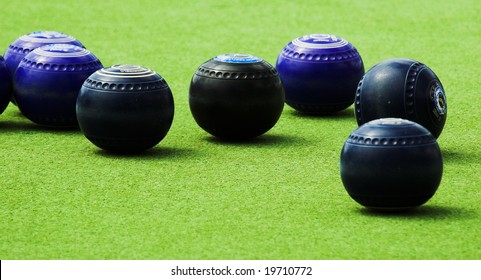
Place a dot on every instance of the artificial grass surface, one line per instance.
(276, 197)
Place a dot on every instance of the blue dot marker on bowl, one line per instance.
(319, 41)
(237, 58)
(61, 50)
(47, 36)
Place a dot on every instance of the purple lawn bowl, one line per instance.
(48, 80)
(320, 73)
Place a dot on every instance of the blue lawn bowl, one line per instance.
(48, 80)
(320, 73)
(28, 42)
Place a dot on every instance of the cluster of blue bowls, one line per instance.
(392, 161)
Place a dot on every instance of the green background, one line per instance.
(277, 197)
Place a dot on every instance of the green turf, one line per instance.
(277, 197)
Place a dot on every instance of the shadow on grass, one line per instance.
(18, 122)
(27, 126)
(260, 141)
(460, 156)
(426, 212)
(344, 114)
(153, 153)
